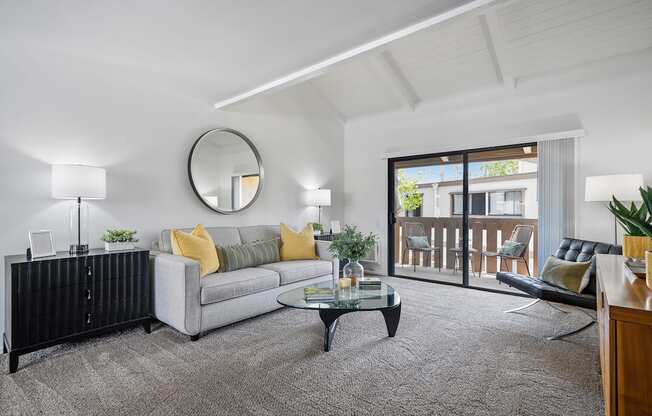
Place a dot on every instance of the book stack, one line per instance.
(318, 294)
(369, 283)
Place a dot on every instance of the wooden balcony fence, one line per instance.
(485, 234)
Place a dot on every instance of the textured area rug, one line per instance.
(455, 353)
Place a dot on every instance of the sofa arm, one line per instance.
(176, 291)
(324, 254)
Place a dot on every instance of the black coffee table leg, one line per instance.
(392, 317)
(329, 318)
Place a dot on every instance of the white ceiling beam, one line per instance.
(388, 70)
(495, 38)
(320, 66)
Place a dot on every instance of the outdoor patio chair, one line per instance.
(416, 229)
(521, 234)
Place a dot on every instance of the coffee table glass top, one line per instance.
(345, 299)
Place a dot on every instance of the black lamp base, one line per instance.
(78, 249)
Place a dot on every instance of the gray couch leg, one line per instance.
(194, 338)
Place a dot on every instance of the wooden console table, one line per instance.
(625, 326)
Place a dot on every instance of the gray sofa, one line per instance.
(193, 305)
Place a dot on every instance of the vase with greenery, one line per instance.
(636, 223)
(352, 245)
(119, 239)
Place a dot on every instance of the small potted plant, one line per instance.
(637, 224)
(119, 239)
(352, 245)
(317, 228)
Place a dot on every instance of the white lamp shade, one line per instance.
(78, 181)
(603, 188)
(318, 198)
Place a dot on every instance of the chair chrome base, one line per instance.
(552, 305)
(573, 332)
(534, 302)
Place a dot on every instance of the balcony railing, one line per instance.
(485, 234)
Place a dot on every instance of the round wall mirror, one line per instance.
(225, 170)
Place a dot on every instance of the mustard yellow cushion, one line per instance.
(198, 245)
(297, 246)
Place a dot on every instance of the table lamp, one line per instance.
(603, 188)
(318, 198)
(79, 183)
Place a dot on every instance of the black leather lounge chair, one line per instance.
(571, 250)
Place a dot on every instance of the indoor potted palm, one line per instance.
(352, 245)
(119, 239)
(637, 224)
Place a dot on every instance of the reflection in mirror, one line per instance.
(225, 170)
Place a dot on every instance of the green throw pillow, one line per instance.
(511, 248)
(241, 256)
(569, 275)
(420, 242)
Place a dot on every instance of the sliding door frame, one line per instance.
(391, 215)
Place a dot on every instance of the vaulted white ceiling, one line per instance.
(209, 48)
(494, 46)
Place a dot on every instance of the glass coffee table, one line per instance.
(386, 300)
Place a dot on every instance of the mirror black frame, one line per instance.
(261, 174)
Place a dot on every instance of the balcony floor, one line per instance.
(487, 281)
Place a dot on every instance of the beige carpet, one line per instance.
(455, 353)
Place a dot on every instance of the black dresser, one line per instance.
(56, 299)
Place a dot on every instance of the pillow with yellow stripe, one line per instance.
(297, 245)
(198, 245)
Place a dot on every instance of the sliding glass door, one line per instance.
(427, 231)
(451, 212)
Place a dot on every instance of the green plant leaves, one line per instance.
(351, 244)
(635, 221)
(119, 236)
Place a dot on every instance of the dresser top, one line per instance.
(622, 289)
(22, 258)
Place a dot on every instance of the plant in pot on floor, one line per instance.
(352, 245)
(119, 239)
(637, 224)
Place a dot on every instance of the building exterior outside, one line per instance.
(509, 196)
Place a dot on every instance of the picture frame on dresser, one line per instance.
(52, 300)
(41, 244)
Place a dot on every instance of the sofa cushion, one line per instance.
(222, 236)
(246, 255)
(218, 287)
(197, 245)
(297, 270)
(253, 233)
(297, 245)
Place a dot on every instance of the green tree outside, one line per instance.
(408, 191)
(500, 168)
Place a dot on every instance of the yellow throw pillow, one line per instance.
(198, 245)
(297, 246)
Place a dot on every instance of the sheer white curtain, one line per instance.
(556, 189)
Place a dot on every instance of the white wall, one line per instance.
(612, 101)
(64, 111)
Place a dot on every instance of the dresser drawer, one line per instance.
(47, 275)
(61, 301)
(115, 266)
